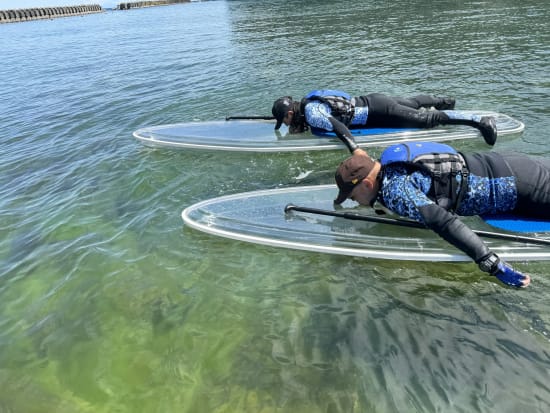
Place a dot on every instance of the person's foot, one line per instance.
(488, 128)
(445, 104)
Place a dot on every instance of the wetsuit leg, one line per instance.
(385, 112)
(533, 184)
(426, 101)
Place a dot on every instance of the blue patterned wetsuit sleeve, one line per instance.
(405, 193)
(317, 115)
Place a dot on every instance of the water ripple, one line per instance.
(109, 304)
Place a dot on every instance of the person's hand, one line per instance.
(505, 273)
(360, 151)
(492, 264)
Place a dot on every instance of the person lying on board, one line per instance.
(433, 184)
(336, 111)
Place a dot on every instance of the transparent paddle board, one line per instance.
(259, 217)
(259, 136)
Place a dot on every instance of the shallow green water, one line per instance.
(109, 304)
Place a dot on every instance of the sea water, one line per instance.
(109, 304)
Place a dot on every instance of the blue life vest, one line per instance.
(322, 93)
(441, 161)
(341, 103)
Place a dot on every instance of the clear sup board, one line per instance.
(259, 217)
(259, 136)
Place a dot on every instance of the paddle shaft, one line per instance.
(250, 117)
(411, 224)
(354, 216)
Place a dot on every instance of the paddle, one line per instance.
(411, 224)
(249, 117)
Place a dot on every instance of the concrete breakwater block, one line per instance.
(21, 15)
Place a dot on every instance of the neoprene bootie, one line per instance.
(445, 103)
(488, 128)
(485, 124)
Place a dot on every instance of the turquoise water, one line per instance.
(109, 304)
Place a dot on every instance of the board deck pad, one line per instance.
(259, 217)
(260, 136)
(515, 224)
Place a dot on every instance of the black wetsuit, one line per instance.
(378, 110)
(497, 183)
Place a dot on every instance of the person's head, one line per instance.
(287, 111)
(280, 110)
(356, 178)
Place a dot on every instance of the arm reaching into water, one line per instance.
(449, 227)
(343, 134)
(405, 194)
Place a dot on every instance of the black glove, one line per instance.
(503, 271)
